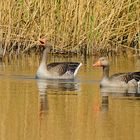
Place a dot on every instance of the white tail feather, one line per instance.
(77, 69)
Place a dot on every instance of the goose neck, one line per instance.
(106, 71)
(44, 57)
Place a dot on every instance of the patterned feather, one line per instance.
(62, 67)
(126, 77)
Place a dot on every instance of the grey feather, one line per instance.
(62, 67)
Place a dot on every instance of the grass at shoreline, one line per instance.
(105, 25)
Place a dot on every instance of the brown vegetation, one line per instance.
(100, 25)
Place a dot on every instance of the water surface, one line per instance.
(32, 109)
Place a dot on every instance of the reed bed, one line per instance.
(70, 25)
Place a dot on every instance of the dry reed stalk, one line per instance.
(70, 24)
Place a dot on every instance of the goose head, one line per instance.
(44, 43)
(101, 62)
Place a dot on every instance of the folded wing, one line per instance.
(62, 67)
(126, 77)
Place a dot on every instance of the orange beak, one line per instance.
(97, 64)
(42, 41)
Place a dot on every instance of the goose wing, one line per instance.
(126, 77)
(62, 67)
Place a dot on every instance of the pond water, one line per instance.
(33, 109)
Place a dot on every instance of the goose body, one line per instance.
(125, 80)
(56, 70)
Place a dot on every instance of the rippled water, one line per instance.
(33, 109)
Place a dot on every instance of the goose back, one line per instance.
(126, 77)
(62, 67)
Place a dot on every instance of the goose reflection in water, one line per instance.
(55, 87)
(106, 92)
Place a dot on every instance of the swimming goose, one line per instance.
(130, 79)
(56, 70)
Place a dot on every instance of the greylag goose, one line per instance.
(56, 70)
(127, 80)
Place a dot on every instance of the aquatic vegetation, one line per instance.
(104, 26)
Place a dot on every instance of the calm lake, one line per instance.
(32, 109)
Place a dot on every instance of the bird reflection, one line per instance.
(42, 97)
(57, 87)
(106, 92)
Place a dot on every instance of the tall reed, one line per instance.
(70, 24)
